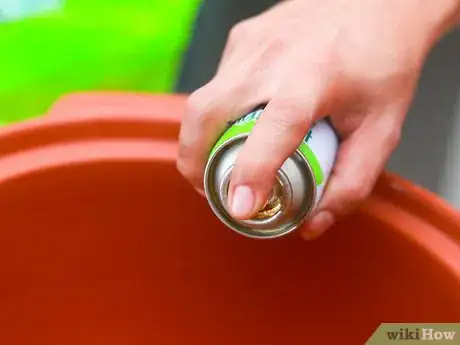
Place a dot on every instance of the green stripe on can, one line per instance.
(246, 124)
(313, 161)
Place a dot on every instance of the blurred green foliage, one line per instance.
(90, 45)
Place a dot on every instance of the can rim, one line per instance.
(238, 226)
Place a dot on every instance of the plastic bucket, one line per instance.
(102, 242)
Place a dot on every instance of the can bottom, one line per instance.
(296, 183)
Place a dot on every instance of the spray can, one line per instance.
(299, 185)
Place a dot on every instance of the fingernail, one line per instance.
(318, 225)
(242, 202)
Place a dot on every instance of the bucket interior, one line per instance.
(126, 252)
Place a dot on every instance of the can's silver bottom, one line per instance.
(295, 190)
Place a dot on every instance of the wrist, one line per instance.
(418, 24)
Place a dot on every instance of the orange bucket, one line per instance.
(103, 242)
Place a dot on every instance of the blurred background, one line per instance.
(51, 47)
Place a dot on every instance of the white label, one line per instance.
(324, 143)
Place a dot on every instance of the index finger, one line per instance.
(207, 113)
(277, 134)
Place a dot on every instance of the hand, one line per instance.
(356, 60)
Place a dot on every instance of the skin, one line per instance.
(358, 61)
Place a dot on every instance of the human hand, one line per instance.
(357, 60)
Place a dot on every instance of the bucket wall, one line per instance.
(103, 242)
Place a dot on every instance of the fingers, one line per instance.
(360, 161)
(207, 112)
(278, 132)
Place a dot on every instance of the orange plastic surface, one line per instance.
(102, 242)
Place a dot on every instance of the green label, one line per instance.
(246, 124)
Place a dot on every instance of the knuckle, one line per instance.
(289, 125)
(238, 31)
(274, 49)
(235, 34)
(394, 138)
(188, 170)
(182, 167)
(185, 150)
(179, 166)
(356, 192)
(197, 102)
(289, 117)
(198, 109)
(280, 123)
